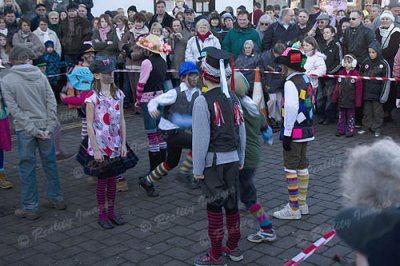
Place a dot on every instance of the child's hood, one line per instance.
(377, 47)
(27, 72)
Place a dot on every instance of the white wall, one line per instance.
(221, 4)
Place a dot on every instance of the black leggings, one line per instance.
(175, 143)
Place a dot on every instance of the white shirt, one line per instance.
(167, 99)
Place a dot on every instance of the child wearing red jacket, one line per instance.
(348, 95)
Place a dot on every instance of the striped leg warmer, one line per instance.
(161, 170)
(233, 225)
(293, 188)
(154, 146)
(303, 185)
(187, 165)
(111, 193)
(215, 232)
(261, 216)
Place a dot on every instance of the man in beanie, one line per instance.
(175, 123)
(297, 131)
(218, 145)
(32, 104)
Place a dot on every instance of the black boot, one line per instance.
(150, 191)
(155, 159)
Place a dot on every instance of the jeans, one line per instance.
(150, 124)
(248, 192)
(27, 146)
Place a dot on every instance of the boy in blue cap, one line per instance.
(175, 123)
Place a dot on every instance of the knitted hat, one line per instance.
(189, 10)
(187, 68)
(104, 66)
(20, 53)
(132, 8)
(387, 14)
(48, 44)
(241, 84)
(153, 44)
(323, 16)
(227, 16)
(73, 6)
(292, 58)
(81, 78)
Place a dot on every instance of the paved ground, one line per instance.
(171, 229)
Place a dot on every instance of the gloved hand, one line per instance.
(287, 141)
(267, 135)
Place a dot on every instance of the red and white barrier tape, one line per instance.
(302, 256)
(266, 72)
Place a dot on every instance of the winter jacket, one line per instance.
(29, 99)
(72, 41)
(390, 51)
(334, 56)
(234, 40)
(274, 82)
(356, 41)
(348, 92)
(134, 54)
(53, 37)
(277, 32)
(53, 66)
(315, 65)
(166, 22)
(192, 52)
(252, 61)
(103, 48)
(396, 65)
(374, 90)
(31, 41)
(178, 50)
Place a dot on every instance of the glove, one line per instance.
(287, 141)
(127, 50)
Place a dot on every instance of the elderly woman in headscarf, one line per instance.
(388, 35)
(249, 59)
(370, 224)
(263, 24)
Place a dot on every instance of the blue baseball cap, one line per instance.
(187, 68)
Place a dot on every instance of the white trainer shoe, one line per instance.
(286, 213)
(304, 209)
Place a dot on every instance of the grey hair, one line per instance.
(265, 19)
(371, 178)
(202, 22)
(285, 11)
(249, 42)
(378, 7)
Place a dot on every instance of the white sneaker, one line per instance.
(287, 213)
(304, 209)
(262, 236)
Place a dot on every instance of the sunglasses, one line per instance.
(353, 18)
(264, 24)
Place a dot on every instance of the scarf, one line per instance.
(386, 34)
(45, 34)
(25, 35)
(5, 31)
(103, 33)
(139, 32)
(203, 37)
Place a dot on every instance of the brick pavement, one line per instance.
(171, 230)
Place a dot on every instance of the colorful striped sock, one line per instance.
(187, 165)
(293, 188)
(261, 216)
(101, 198)
(304, 178)
(157, 173)
(111, 194)
(233, 226)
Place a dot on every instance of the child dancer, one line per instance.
(348, 94)
(107, 138)
(5, 141)
(376, 92)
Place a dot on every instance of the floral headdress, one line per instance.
(153, 43)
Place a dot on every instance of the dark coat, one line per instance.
(166, 22)
(276, 32)
(334, 56)
(273, 82)
(390, 51)
(357, 40)
(244, 61)
(71, 42)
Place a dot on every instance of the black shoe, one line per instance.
(126, 105)
(150, 191)
(118, 220)
(320, 121)
(388, 119)
(105, 224)
(194, 184)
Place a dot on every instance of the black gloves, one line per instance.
(287, 141)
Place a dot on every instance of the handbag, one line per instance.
(109, 166)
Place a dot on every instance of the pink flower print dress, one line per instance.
(106, 123)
